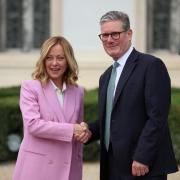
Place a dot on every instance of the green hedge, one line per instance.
(11, 122)
(174, 123)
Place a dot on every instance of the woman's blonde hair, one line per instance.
(71, 74)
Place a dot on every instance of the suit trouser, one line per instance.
(113, 172)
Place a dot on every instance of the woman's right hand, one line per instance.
(81, 132)
(78, 129)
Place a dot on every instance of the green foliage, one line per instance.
(175, 96)
(174, 124)
(91, 151)
(174, 121)
(9, 92)
(11, 121)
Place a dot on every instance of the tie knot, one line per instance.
(115, 65)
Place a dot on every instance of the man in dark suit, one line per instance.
(134, 101)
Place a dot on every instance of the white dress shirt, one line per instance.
(122, 61)
(59, 92)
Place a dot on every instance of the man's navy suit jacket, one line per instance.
(139, 119)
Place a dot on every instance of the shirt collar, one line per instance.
(56, 88)
(122, 60)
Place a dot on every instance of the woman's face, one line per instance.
(56, 64)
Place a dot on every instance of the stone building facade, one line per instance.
(163, 25)
(25, 24)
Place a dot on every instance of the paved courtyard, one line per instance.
(90, 172)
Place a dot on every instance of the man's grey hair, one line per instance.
(116, 16)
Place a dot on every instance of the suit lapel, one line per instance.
(128, 69)
(53, 102)
(69, 102)
(103, 90)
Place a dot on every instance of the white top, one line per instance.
(122, 61)
(59, 92)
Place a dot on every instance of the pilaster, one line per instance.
(56, 17)
(175, 26)
(2, 25)
(140, 25)
(28, 25)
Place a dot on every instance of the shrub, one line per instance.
(174, 124)
(11, 122)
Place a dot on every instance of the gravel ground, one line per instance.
(90, 172)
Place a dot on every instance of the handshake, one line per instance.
(82, 132)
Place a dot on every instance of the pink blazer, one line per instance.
(48, 150)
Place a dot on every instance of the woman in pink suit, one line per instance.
(52, 109)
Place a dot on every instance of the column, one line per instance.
(150, 25)
(175, 26)
(27, 25)
(2, 25)
(140, 29)
(56, 17)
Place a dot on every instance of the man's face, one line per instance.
(118, 46)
